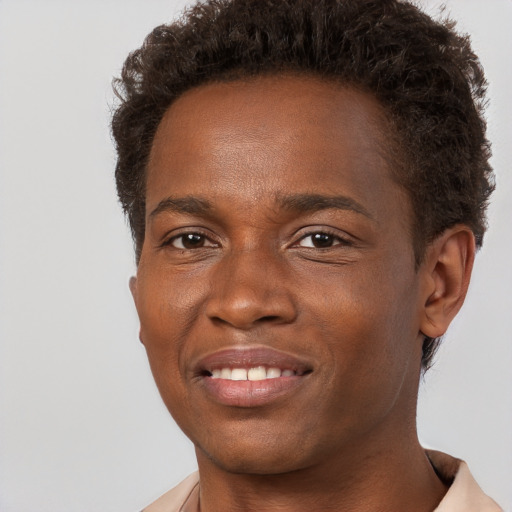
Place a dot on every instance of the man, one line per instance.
(306, 183)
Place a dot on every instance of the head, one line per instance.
(305, 182)
(424, 75)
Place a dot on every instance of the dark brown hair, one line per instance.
(425, 75)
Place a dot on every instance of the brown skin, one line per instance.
(355, 309)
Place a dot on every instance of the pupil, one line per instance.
(322, 240)
(192, 240)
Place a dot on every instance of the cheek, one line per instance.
(168, 306)
(369, 323)
(165, 302)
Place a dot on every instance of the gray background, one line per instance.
(82, 427)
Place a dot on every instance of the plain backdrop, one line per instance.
(82, 427)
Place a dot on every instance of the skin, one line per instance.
(336, 286)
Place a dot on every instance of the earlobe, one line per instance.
(447, 267)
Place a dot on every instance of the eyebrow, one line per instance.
(301, 203)
(315, 202)
(189, 204)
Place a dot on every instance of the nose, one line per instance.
(251, 289)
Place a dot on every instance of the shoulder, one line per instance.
(464, 494)
(173, 500)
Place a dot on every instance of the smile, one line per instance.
(252, 374)
(251, 377)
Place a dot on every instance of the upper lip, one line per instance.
(250, 357)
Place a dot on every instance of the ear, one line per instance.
(447, 271)
(133, 288)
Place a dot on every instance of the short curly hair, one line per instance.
(424, 74)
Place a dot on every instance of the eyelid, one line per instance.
(336, 241)
(341, 238)
(181, 232)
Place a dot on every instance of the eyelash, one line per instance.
(181, 236)
(335, 239)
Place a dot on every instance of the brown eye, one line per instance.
(322, 240)
(190, 241)
(319, 241)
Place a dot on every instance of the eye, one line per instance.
(320, 240)
(190, 241)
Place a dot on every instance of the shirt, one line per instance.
(464, 494)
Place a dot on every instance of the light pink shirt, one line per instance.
(464, 494)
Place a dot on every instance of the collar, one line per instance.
(464, 494)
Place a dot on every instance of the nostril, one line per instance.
(268, 318)
(243, 308)
(238, 322)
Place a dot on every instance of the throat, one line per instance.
(411, 485)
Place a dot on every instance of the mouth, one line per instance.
(251, 377)
(253, 374)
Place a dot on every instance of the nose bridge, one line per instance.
(250, 287)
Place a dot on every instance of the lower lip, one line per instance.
(246, 393)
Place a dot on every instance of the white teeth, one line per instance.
(273, 373)
(225, 373)
(238, 374)
(253, 374)
(258, 373)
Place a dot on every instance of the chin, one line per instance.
(254, 465)
(250, 453)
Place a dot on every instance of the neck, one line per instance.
(362, 478)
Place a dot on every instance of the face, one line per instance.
(276, 290)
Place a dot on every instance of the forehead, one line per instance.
(306, 97)
(282, 106)
(268, 136)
